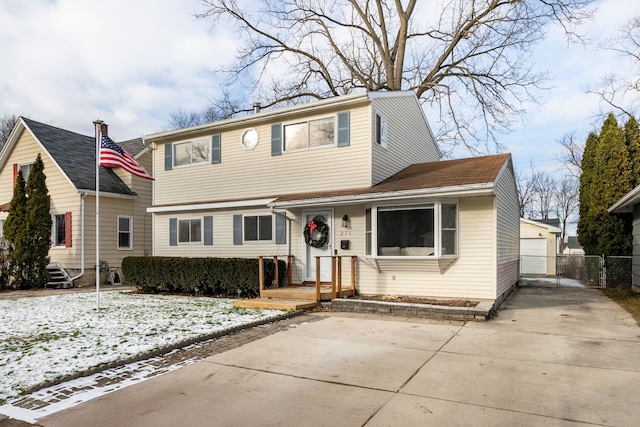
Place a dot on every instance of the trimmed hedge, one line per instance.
(231, 277)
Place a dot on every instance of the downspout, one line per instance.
(273, 211)
(81, 238)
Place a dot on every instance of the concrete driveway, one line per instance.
(553, 357)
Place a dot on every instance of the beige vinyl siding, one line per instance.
(256, 173)
(508, 230)
(63, 196)
(223, 246)
(409, 140)
(472, 275)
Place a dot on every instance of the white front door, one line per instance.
(311, 253)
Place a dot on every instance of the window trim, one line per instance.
(308, 121)
(21, 165)
(258, 241)
(208, 140)
(124, 248)
(190, 242)
(381, 131)
(54, 230)
(437, 229)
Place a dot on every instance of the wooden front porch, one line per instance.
(294, 296)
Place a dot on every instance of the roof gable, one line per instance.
(75, 154)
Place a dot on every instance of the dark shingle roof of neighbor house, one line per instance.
(572, 242)
(76, 155)
(438, 174)
(555, 222)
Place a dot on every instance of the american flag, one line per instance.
(113, 155)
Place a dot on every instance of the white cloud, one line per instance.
(130, 64)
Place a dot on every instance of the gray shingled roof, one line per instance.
(76, 155)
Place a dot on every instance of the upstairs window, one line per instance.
(26, 170)
(381, 131)
(192, 152)
(309, 134)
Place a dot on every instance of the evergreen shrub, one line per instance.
(230, 277)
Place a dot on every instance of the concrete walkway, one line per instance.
(553, 357)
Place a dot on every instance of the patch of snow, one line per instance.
(561, 281)
(45, 338)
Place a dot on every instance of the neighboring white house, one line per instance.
(367, 166)
(69, 164)
(539, 244)
(573, 246)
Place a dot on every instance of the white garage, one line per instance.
(533, 254)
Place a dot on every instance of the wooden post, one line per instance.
(275, 261)
(261, 274)
(317, 279)
(333, 277)
(353, 275)
(340, 277)
(289, 269)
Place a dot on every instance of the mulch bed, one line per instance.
(418, 300)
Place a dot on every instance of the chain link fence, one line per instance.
(577, 270)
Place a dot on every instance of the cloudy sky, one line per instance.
(133, 62)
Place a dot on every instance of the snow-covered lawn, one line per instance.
(44, 338)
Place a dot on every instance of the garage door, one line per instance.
(533, 255)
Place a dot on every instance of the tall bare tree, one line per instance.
(621, 91)
(470, 59)
(527, 184)
(565, 202)
(7, 123)
(570, 155)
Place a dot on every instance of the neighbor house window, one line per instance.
(125, 236)
(192, 152)
(416, 230)
(258, 228)
(312, 133)
(59, 235)
(189, 230)
(1, 228)
(26, 170)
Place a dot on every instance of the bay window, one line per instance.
(425, 230)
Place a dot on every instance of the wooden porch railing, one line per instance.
(276, 271)
(336, 275)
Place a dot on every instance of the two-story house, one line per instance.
(70, 166)
(358, 176)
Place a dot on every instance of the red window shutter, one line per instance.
(67, 229)
(15, 174)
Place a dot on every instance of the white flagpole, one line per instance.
(98, 126)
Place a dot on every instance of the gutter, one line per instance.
(486, 189)
(284, 215)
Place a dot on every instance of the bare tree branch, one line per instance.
(469, 59)
(7, 123)
(570, 155)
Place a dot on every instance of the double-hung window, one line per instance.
(381, 131)
(258, 228)
(190, 230)
(425, 230)
(192, 152)
(125, 235)
(59, 235)
(309, 134)
(26, 170)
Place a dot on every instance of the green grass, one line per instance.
(627, 299)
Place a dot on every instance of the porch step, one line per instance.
(59, 277)
(276, 304)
